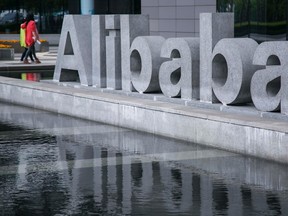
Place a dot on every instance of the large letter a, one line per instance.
(74, 60)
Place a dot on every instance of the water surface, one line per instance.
(57, 165)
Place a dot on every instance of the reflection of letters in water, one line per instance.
(115, 51)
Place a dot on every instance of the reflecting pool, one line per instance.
(57, 165)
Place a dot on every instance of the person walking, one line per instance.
(23, 43)
(31, 36)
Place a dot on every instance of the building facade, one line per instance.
(176, 18)
(261, 20)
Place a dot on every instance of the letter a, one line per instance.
(75, 51)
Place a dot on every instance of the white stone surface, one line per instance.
(75, 50)
(99, 51)
(179, 74)
(209, 36)
(145, 63)
(232, 70)
(131, 27)
(268, 86)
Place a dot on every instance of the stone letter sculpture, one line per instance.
(132, 26)
(113, 52)
(98, 51)
(213, 27)
(232, 70)
(180, 75)
(145, 63)
(75, 51)
(124, 57)
(268, 86)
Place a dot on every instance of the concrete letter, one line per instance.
(232, 70)
(213, 27)
(268, 86)
(180, 75)
(145, 63)
(113, 52)
(98, 51)
(75, 51)
(132, 26)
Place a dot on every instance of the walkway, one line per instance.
(48, 59)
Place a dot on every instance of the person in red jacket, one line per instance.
(23, 43)
(31, 37)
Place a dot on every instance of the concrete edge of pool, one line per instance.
(237, 132)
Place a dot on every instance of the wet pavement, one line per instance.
(57, 165)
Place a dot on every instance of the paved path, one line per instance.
(47, 58)
(14, 68)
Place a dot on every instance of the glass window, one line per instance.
(49, 14)
(262, 20)
(118, 7)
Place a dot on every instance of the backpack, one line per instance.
(22, 37)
